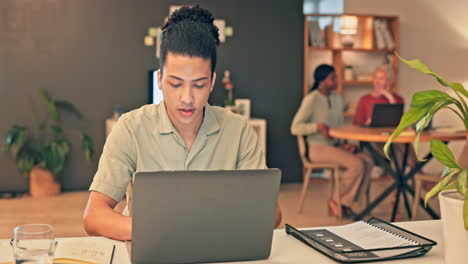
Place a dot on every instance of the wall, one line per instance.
(92, 53)
(435, 32)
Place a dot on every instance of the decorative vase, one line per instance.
(42, 183)
(455, 235)
(451, 210)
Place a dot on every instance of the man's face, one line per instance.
(186, 84)
(381, 81)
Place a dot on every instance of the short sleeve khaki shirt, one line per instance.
(146, 140)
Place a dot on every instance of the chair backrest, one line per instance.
(303, 151)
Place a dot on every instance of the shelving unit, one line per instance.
(363, 53)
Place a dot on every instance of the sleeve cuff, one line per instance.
(114, 192)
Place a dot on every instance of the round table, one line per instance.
(383, 134)
(367, 135)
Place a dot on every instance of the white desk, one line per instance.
(288, 250)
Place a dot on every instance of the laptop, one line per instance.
(386, 115)
(203, 216)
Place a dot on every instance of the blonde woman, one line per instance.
(382, 80)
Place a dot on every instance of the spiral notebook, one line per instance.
(364, 241)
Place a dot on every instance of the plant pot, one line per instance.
(42, 183)
(455, 235)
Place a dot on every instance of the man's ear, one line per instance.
(159, 75)
(213, 80)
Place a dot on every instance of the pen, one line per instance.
(112, 255)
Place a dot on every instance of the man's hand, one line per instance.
(323, 128)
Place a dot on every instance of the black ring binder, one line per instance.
(352, 253)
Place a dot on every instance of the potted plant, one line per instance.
(42, 154)
(452, 187)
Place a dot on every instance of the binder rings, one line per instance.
(364, 241)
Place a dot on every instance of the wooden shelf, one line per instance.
(357, 82)
(333, 53)
(353, 49)
(349, 14)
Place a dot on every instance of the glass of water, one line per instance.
(33, 244)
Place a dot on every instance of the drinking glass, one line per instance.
(33, 244)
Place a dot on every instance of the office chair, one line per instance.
(308, 166)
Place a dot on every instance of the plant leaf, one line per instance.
(50, 104)
(443, 154)
(58, 131)
(446, 171)
(55, 157)
(450, 186)
(25, 164)
(461, 182)
(424, 122)
(416, 145)
(45, 95)
(41, 127)
(88, 146)
(15, 140)
(420, 66)
(458, 87)
(428, 97)
(66, 105)
(435, 107)
(412, 116)
(440, 186)
(53, 111)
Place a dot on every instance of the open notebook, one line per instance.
(72, 251)
(364, 241)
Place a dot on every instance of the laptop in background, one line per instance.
(203, 216)
(386, 115)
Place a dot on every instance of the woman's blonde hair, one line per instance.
(387, 69)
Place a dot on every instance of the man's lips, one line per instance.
(187, 112)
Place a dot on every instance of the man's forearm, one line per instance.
(108, 223)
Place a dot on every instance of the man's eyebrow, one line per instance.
(196, 80)
(200, 79)
(175, 77)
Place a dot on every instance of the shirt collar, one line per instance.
(209, 124)
(165, 124)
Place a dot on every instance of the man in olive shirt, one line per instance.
(183, 133)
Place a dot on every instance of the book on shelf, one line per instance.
(364, 241)
(383, 36)
(389, 42)
(378, 34)
(316, 35)
(72, 251)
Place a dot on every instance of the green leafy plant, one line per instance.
(424, 106)
(48, 148)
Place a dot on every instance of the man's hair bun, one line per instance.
(195, 14)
